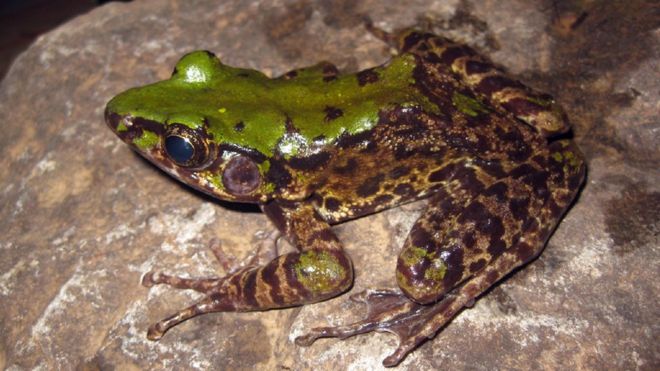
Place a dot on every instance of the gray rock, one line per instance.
(82, 217)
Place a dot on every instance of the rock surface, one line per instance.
(82, 217)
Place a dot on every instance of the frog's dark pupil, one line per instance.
(179, 149)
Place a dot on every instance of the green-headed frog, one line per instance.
(314, 147)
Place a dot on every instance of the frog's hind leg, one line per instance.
(413, 323)
(471, 236)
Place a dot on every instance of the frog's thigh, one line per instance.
(452, 241)
(491, 83)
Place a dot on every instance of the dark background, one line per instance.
(21, 21)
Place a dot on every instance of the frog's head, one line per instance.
(191, 126)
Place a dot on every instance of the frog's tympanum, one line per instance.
(314, 147)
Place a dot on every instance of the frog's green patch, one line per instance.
(319, 272)
(147, 140)
(468, 105)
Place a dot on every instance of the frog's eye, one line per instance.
(179, 149)
(185, 147)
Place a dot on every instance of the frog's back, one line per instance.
(472, 124)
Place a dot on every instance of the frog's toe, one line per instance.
(387, 311)
(369, 295)
(401, 351)
(381, 306)
(265, 251)
(203, 285)
(216, 302)
(148, 279)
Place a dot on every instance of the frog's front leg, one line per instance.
(320, 269)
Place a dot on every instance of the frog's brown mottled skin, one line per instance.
(489, 159)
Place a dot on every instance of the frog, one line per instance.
(314, 147)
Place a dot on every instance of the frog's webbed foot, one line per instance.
(391, 311)
(219, 297)
(317, 270)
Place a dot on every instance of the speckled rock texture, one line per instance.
(82, 217)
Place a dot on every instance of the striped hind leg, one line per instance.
(443, 266)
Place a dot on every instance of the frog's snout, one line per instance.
(122, 126)
(111, 119)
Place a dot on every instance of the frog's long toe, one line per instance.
(211, 303)
(203, 285)
(390, 311)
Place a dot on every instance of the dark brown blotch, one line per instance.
(348, 168)
(492, 226)
(404, 190)
(290, 75)
(452, 53)
(474, 212)
(290, 261)
(496, 247)
(498, 190)
(370, 186)
(495, 83)
(420, 237)
(525, 252)
(269, 276)
(519, 208)
(249, 289)
(279, 175)
(469, 240)
(332, 113)
(347, 140)
(330, 72)
(239, 126)
(275, 214)
(442, 174)
(312, 162)
(368, 76)
(399, 172)
(414, 39)
(476, 266)
(383, 199)
(474, 66)
(331, 203)
(455, 268)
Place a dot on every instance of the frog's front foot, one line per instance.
(220, 296)
(391, 311)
